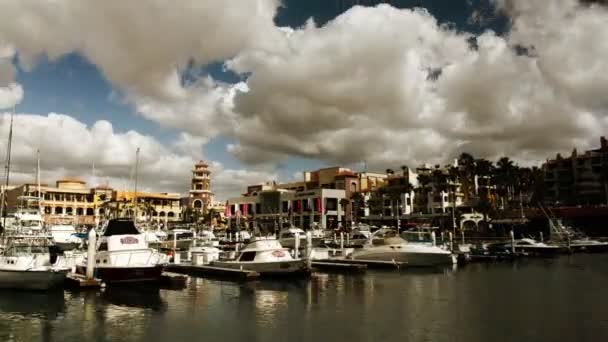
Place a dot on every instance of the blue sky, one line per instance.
(74, 86)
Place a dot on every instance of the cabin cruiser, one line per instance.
(386, 245)
(287, 237)
(588, 245)
(123, 255)
(180, 239)
(65, 236)
(25, 263)
(207, 238)
(267, 257)
(526, 246)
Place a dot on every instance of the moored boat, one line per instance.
(25, 264)
(267, 257)
(123, 255)
(387, 245)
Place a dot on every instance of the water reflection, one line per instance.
(480, 302)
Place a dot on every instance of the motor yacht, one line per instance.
(65, 236)
(526, 246)
(180, 239)
(287, 237)
(25, 264)
(267, 257)
(386, 245)
(123, 255)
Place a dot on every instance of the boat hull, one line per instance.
(583, 247)
(547, 252)
(287, 267)
(118, 275)
(410, 259)
(32, 280)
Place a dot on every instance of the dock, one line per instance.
(372, 264)
(78, 281)
(213, 272)
(172, 280)
(338, 267)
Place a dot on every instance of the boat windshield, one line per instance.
(30, 224)
(26, 250)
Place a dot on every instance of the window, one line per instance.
(58, 210)
(408, 201)
(198, 204)
(79, 211)
(90, 212)
(199, 186)
(247, 256)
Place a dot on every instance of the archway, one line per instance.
(197, 204)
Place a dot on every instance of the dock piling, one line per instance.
(91, 254)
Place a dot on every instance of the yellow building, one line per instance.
(160, 207)
(69, 199)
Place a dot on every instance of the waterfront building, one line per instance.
(159, 207)
(69, 199)
(272, 208)
(579, 179)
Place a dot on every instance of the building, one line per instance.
(579, 179)
(200, 195)
(159, 207)
(68, 199)
(271, 209)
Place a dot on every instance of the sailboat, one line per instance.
(25, 260)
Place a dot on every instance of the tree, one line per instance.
(506, 178)
(404, 169)
(394, 192)
(423, 190)
(358, 203)
(390, 172)
(467, 168)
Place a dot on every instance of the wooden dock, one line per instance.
(213, 272)
(338, 267)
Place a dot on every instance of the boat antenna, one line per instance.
(8, 170)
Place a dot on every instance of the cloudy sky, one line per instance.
(263, 89)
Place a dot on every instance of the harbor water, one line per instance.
(562, 299)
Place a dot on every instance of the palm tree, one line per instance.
(467, 166)
(404, 169)
(358, 203)
(394, 193)
(423, 190)
(505, 177)
(390, 172)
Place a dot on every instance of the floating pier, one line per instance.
(338, 267)
(375, 264)
(78, 281)
(173, 280)
(213, 272)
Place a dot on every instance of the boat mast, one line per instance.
(135, 192)
(8, 170)
(38, 180)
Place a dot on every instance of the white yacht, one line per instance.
(65, 236)
(287, 237)
(25, 263)
(123, 255)
(533, 247)
(386, 245)
(267, 257)
(181, 239)
(207, 238)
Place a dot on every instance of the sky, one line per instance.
(265, 89)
